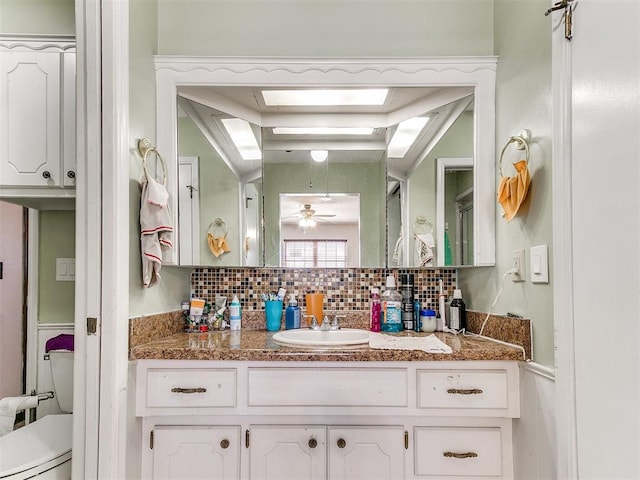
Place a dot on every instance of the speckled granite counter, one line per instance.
(258, 345)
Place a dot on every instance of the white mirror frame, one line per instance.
(477, 72)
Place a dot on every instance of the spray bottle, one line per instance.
(235, 316)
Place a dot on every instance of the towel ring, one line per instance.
(422, 221)
(145, 148)
(521, 142)
(217, 224)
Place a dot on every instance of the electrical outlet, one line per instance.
(518, 264)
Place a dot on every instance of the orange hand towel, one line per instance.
(513, 190)
(218, 245)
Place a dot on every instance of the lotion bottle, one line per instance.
(235, 315)
(292, 313)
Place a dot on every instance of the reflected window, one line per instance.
(315, 253)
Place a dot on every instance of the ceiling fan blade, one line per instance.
(327, 216)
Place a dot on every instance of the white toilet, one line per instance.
(42, 449)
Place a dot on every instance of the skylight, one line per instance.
(367, 96)
(323, 130)
(243, 138)
(405, 135)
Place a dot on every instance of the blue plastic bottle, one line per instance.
(292, 313)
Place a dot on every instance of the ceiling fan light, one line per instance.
(307, 222)
(319, 155)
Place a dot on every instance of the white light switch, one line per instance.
(539, 264)
(65, 269)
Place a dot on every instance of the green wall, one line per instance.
(219, 194)
(56, 239)
(367, 179)
(175, 283)
(37, 16)
(325, 27)
(456, 143)
(523, 100)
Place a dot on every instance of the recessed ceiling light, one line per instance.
(323, 130)
(243, 138)
(404, 136)
(366, 96)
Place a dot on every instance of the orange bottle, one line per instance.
(314, 304)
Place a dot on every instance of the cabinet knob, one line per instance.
(224, 443)
(71, 174)
(46, 174)
(313, 443)
(341, 443)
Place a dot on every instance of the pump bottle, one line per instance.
(374, 324)
(391, 307)
(292, 313)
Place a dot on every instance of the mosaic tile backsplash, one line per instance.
(344, 288)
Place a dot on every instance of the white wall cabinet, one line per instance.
(327, 420)
(37, 123)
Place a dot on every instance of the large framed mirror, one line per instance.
(262, 201)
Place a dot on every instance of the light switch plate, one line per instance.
(65, 269)
(539, 264)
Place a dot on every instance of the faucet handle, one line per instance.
(335, 325)
(314, 322)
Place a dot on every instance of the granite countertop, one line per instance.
(258, 345)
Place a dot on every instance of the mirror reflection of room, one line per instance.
(395, 181)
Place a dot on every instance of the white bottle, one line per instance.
(235, 316)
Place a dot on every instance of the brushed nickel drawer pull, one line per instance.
(224, 443)
(188, 390)
(465, 391)
(460, 455)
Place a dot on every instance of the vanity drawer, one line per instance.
(328, 387)
(458, 451)
(191, 388)
(463, 389)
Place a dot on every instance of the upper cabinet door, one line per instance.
(30, 118)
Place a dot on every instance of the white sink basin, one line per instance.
(319, 338)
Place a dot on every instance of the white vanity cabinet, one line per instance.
(195, 452)
(314, 452)
(37, 125)
(327, 420)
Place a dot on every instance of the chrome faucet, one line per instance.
(314, 322)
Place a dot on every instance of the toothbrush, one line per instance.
(442, 298)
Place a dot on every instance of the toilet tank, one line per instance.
(61, 362)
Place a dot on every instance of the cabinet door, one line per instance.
(367, 453)
(69, 120)
(287, 453)
(30, 119)
(196, 452)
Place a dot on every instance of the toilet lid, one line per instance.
(37, 443)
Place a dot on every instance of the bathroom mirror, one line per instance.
(458, 90)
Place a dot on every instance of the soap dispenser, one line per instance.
(292, 313)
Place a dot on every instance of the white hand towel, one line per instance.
(397, 251)
(424, 244)
(429, 344)
(156, 230)
(8, 408)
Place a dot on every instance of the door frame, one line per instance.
(563, 314)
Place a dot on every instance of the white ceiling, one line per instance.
(206, 105)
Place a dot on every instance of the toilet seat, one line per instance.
(36, 448)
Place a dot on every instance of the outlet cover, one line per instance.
(539, 264)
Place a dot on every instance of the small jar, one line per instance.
(427, 320)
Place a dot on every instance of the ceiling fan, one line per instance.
(307, 216)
